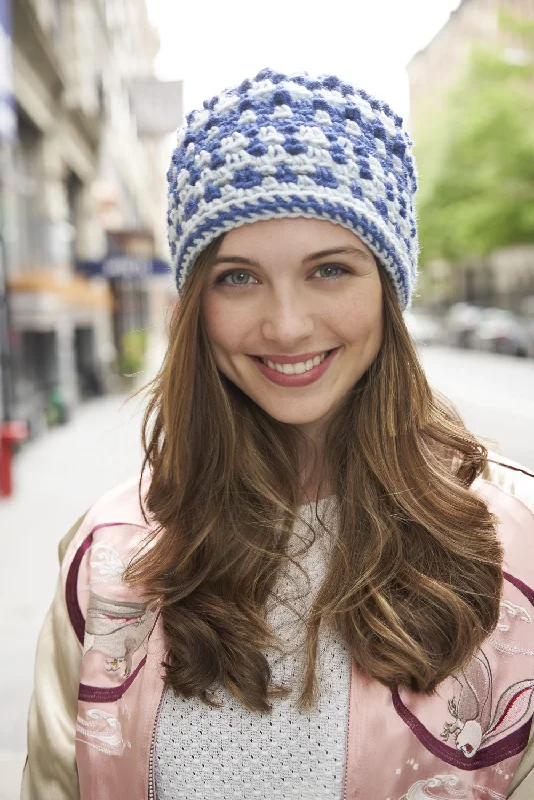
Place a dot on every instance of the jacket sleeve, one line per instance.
(523, 782)
(525, 790)
(50, 772)
(518, 481)
(524, 775)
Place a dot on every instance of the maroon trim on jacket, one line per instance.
(518, 468)
(71, 589)
(509, 746)
(523, 588)
(101, 694)
(71, 586)
(92, 694)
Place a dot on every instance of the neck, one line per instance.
(314, 483)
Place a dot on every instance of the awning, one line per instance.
(123, 266)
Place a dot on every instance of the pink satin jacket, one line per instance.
(466, 741)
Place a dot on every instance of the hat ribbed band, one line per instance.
(232, 215)
(295, 146)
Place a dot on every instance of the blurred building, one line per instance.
(431, 73)
(433, 70)
(83, 195)
(7, 134)
(503, 279)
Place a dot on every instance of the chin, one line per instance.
(294, 416)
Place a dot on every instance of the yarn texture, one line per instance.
(231, 753)
(295, 146)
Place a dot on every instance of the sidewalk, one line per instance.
(56, 478)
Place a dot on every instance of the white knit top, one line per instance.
(231, 752)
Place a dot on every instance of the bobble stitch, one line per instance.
(282, 98)
(217, 160)
(295, 145)
(190, 208)
(211, 193)
(246, 179)
(325, 177)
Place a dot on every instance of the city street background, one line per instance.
(91, 95)
(62, 473)
(57, 478)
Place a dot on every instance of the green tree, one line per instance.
(476, 160)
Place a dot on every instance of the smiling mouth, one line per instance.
(299, 367)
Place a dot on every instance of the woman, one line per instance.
(320, 587)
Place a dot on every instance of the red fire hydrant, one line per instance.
(11, 433)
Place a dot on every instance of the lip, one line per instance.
(304, 379)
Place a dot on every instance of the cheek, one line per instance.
(225, 330)
(210, 318)
(377, 325)
(360, 320)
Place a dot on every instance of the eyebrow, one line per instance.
(340, 251)
(334, 251)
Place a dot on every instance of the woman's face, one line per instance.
(293, 314)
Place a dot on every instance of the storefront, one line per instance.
(141, 288)
(62, 345)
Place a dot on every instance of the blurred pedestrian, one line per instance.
(322, 585)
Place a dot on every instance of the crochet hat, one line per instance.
(295, 146)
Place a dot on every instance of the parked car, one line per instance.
(527, 318)
(501, 331)
(424, 328)
(460, 323)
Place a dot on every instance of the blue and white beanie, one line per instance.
(295, 146)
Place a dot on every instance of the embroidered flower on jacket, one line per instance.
(475, 721)
(449, 786)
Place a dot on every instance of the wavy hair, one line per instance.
(414, 578)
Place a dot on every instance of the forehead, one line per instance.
(293, 237)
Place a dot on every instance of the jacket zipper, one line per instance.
(348, 734)
(151, 782)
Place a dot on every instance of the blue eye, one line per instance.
(331, 271)
(236, 277)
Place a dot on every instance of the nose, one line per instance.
(287, 320)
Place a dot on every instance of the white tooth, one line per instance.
(279, 367)
(324, 355)
(271, 364)
(288, 369)
(316, 361)
(300, 367)
(309, 364)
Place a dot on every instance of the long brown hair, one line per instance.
(414, 579)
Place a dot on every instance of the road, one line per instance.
(58, 476)
(494, 395)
